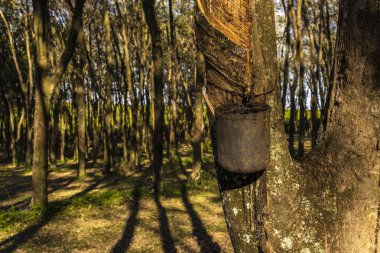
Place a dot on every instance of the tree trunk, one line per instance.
(40, 154)
(41, 109)
(293, 88)
(301, 86)
(314, 80)
(108, 147)
(155, 33)
(95, 133)
(353, 130)
(197, 134)
(81, 110)
(29, 136)
(133, 113)
(173, 138)
(55, 129)
(329, 203)
(62, 129)
(47, 78)
(12, 128)
(287, 53)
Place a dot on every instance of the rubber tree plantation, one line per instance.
(190, 126)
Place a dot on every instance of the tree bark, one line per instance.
(133, 114)
(173, 138)
(329, 202)
(29, 101)
(56, 111)
(314, 79)
(108, 147)
(287, 53)
(293, 88)
(62, 128)
(155, 34)
(47, 78)
(81, 109)
(197, 132)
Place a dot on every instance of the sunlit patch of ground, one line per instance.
(115, 214)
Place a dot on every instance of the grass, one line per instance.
(308, 113)
(11, 220)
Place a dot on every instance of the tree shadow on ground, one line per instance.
(126, 239)
(124, 242)
(56, 184)
(168, 244)
(205, 242)
(14, 242)
(21, 184)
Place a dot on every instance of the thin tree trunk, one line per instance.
(55, 129)
(301, 85)
(293, 108)
(173, 79)
(81, 110)
(108, 147)
(197, 134)
(287, 52)
(133, 111)
(12, 132)
(29, 102)
(155, 33)
(95, 134)
(314, 80)
(62, 128)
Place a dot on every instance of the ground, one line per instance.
(115, 213)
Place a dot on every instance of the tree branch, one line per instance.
(67, 54)
(14, 55)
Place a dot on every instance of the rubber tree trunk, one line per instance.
(133, 112)
(62, 128)
(329, 202)
(287, 54)
(197, 132)
(81, 125)
(55, 129)
(29, 136)
(95, 132)
(108, 147)
(29, 99)
(81, 109)
(158, 101)
(173, 138)
(243, 196)
(40, 154)
(300, 58)
(293, 88)
(314, 79)
(47, 78)
(13, 133)
(41, 109)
